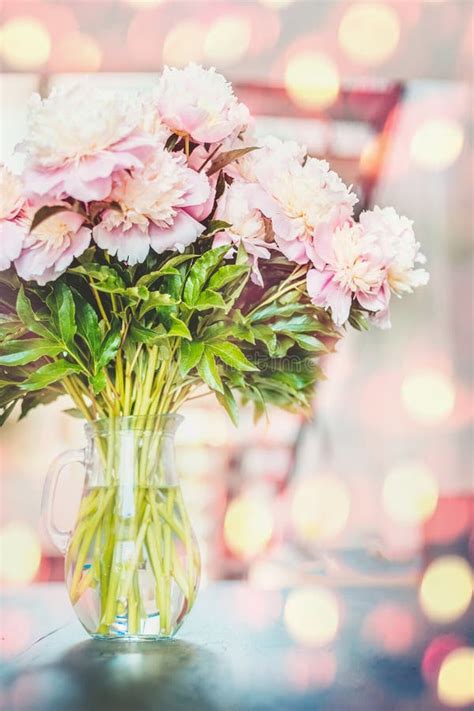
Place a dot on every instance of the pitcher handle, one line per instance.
(59, 538)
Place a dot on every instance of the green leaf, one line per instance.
(48, 374)
(191, 353)
(276, 309)
(61, 304)
(297, 324)
(209, 372)
(358, 320)
(227, 274)
(98, 381)
(264, 334)
(28, 316)
(200, 272)
(47, 211)
(209, 299)
(228, 402)
(74, 412)
(310, 343)
(216, 226)
(231, 355)
(169, 267)
(242, 255)
(142, 334)
(109, 346)
(227, 157)
(242, 332)
(155, 300)
(138, 293)
(87, 323)
(103, 277)
(27, 350)
(179, 328)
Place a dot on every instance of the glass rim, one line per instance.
(134, 423)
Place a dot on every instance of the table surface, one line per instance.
(234, 652)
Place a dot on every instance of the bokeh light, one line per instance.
(248, 526)
(410, 493)
(428, 396)
(26, 43)
(436, 652)
(312, 80)
(76, 52)
(454, 517)
(446, 589)
(20, 553)
(184, 43)
(227, 40)
(320, 508)
(390, 628)
(456, 678)
(369, 32)
(312, 616)
(437, 143)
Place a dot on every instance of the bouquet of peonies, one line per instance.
(153, 246)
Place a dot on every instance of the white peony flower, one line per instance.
(402, 252)
(78, 139)
(271, 152)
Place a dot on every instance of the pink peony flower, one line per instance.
(12, 232)
(154, 203)
(349, 264)
(301, 198)
(78, 139)
(50, 247)
(239, 207)
(200, 103)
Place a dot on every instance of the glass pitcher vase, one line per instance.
(132, 564)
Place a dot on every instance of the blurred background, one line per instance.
(378, 488)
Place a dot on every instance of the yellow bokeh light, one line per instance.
(26, 43)
(446, 589)
(184, 43)
(437, 143)
(410, 493)
(456, 678)
(369, 32)
(428, 396)
(312, 80)
(320, 508)
(312, 616)
(20, 553)
(228, 39)
(248, 526)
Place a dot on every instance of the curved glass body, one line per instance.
(132, 562)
